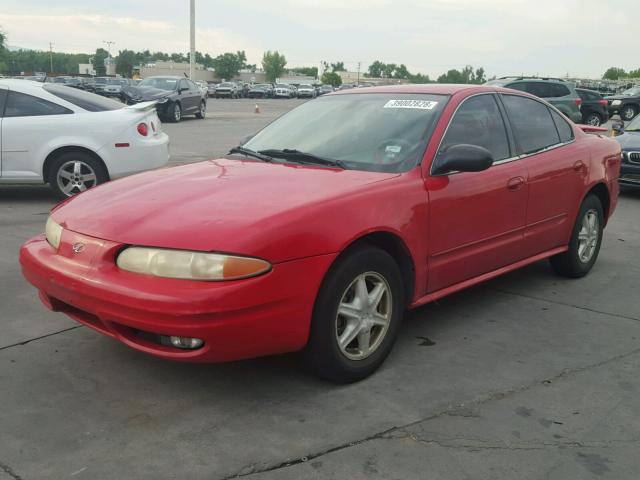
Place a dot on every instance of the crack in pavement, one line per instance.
(515, 294)
(256, 468)
(9, 471)
(40, 337)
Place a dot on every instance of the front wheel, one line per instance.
(203, 110)
(356, 316)
(585, 242)
(175, 113)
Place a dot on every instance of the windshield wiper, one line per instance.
(302, 157)
(250, 153)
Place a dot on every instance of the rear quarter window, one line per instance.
(85, 100)
(558, 90)
(564, 129)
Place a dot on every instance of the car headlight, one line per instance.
(188, 265)
(53, 233)
(163, 100)
(616, 102)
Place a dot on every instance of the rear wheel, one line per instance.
(585, 242)
(628, 112)
(594, 119)
(356, 317)
(75, 172)
(203, 110)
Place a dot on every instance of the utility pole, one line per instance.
(50, 57)
(358, 73)
(192, 39)
(108, 43)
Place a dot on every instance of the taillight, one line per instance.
(578, 101)
(143, 129)
(603, 102)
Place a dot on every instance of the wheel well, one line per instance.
(62, 150)
(601, 191)
(394, 246)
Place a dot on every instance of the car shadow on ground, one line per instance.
(27, 193)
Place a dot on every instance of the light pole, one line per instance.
(192, 52)
(50, 57)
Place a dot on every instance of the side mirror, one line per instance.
(462, 158)
(183, 89)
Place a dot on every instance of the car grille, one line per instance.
(634, 157)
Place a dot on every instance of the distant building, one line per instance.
(352, 77)
(86, 69)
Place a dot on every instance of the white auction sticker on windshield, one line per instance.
(419, 104)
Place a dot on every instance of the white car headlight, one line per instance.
(616, 102)
(188, 265)
(53, 233)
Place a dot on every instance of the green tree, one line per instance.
(3, 53)
(419, 78)
(228, 65)
(614, 73)
(273, 64)
(125, 62)
(98, 61)
(466, 75)
(338, 67)
(308, 71)
(634, 73)
(331, 78)
(375, 69)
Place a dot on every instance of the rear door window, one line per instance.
(85, 100)
(479, 122)
(532, 124)
(558, 90)
(23, 105)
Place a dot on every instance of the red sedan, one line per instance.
(319, 232)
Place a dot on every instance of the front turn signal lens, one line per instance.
(53, 233)
(189, 265)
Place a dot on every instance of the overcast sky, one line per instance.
(545, 37)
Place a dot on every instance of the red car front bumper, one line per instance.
(237, 319)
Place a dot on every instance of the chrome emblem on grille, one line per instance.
(77, 247)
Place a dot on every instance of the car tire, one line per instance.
(175, 114)
(203, 110)
(367, 267)
(75, 171)
(594, 119)
(628, 112)
(585, 242)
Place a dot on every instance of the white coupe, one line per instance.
(74, 140)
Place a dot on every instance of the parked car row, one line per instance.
(236, 89)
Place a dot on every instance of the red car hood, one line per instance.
(222, 205)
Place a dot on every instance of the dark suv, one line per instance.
(594, 107)
(559, 93)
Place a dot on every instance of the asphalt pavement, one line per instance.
(528, 376)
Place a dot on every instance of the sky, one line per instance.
(506, 37)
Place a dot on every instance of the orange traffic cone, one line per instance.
(257, 109)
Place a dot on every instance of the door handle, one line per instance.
(515, 183)
(578, 166)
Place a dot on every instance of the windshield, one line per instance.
(117, 81)
(282, 85)
(375, 132)
(305, 86)
(85, 100)
(162, 83)
(634, 125)
(632, 91)
(101, 80)
(226, 85)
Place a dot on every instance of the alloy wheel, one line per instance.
(588, 236)
(177, 112)
(628, 113)
(75, 177)
(594, 120)
(364, 315)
